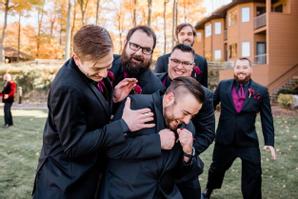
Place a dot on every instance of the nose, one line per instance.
(139, 52)
(186, 119)
(104, 73)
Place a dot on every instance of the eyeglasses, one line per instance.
(136, 47)
(183, 63)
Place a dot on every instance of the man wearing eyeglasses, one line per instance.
(181, 63)
(135, 60)
(185, 34)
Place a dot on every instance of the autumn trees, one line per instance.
(44, 28)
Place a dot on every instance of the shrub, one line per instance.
(285, 100)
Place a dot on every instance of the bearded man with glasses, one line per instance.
(135, 60)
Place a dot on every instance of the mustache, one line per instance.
(137, 57)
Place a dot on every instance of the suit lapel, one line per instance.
(105, 104)
(229, 94)
(248, 99)
(157, 99)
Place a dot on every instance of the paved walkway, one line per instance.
(28, 106)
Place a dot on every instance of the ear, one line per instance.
(76, 59)
(169, 99)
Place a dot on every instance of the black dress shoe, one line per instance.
(5, 126)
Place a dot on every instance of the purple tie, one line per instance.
(101, 86)
(241, 92)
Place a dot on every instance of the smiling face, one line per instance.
(179, 108)
(138, 53)
(94, 69)
(186, 36)
(180, 64)
(242, 71)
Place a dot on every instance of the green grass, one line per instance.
(20, 146)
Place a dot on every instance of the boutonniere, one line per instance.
(251, 92)
(254, 94)
(137, 89)
(197, 70)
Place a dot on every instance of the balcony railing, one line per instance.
(260, 59)
(260, 21)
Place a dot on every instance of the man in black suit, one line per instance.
(241, 100)
(78, 126)
(181, 63)
(135, 60)
(185, 34)
(152, 177)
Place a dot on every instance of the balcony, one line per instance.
(260, 21)
(260, 59)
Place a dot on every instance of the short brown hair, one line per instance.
(91, 40)
(181, 26)
(145, 29)
(190, 84)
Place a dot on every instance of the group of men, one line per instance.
(116, 129)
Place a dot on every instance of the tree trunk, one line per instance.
(19, 37)
(2, 54)
(174, 21)
(83, 6)
(68, 32)
(149, 12)
(165, 26)
(73, 19)
(97, 11)
(134, 14)
(40, 18)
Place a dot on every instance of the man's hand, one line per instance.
(123, 88)
(137, 119)
(271, 150)
(5, 96)
(186, 141)
(167, 139)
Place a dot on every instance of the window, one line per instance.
(245, 49)
(217, 28)
(208, 30)
(217, 55)
(245, 14)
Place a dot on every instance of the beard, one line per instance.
(170, 120)
(134, 69)
(246, 79)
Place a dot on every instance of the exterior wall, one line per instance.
(241, 31)
(199, 42)
(208, 43)
(282, 40)
(218, 39)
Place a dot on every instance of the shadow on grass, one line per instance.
(19, 152)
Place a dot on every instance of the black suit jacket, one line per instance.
(163, 61)
(77, 128)
(147, 80)
(144, 177)
(204, 121)
(238, 129)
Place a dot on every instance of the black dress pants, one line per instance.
(223, 158)
(7, 113)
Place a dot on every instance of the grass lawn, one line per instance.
(20, 146)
